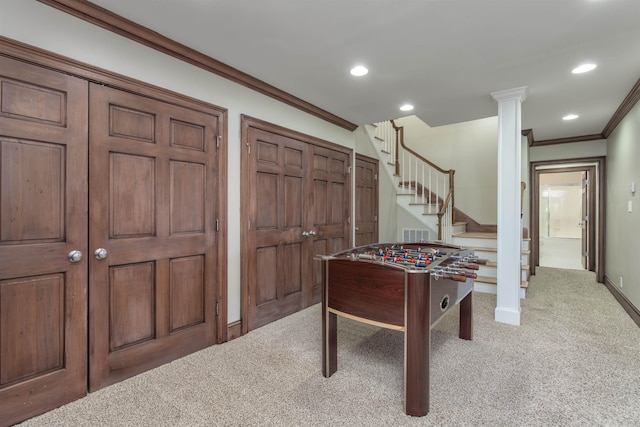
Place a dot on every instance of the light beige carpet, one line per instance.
(574, 361)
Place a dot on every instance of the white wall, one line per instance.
(622, 227)
(573, 150)
(471, 149)
(39, 25)
(387, 213)
(407, 220)
(524, 172)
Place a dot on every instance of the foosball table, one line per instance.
(406, 287)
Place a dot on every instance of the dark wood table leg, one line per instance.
(329, 328)
(417, 336)
(329, 343)
(466, 317)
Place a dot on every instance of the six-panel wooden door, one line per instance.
(330, 214)
(279, 209)
(43, 240)
(366, 216)
(152, 227)
(296, 202)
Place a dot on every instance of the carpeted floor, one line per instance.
(574, 361)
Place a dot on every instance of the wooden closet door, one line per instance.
(366, 216)
(277, 265)
(153, 169)
(43, 219)
(296, 202)
(330, 213)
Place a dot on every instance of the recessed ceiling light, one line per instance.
(359, 71)
(570, 117)
(583, 68)
(406, 107)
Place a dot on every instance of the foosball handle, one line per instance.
(456, 277)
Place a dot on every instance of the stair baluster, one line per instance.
(430, 185)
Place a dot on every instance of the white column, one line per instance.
(509, 229)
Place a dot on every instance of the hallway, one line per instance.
(559, 252)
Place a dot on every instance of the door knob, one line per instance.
(101, 253)
(305, 233)
(74, 256)
(312, 233)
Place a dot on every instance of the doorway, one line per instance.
(567, 214)
(561, 220)
(296, 203)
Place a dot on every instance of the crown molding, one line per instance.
(567, 140)
(528, 133)
(108, 20)
(519, 93)
(627, 104)
(103, 18)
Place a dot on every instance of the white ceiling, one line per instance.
(443, 56)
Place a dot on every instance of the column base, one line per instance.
(507, 315)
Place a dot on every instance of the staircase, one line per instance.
(426, 192)
(486, 247)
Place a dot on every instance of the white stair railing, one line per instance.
(386, 134)
(445, 221)
(429, 185)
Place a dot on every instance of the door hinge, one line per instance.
(249, 299)
(249, 225)
(348, 169)
(217, 224)
(375, 176)
(586, 217)
(348, 220)
(217, 308)
(218, 139)
(375, 218)
(586, 253)
(249, 148)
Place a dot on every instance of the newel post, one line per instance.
(452, 174)
(398, 136)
